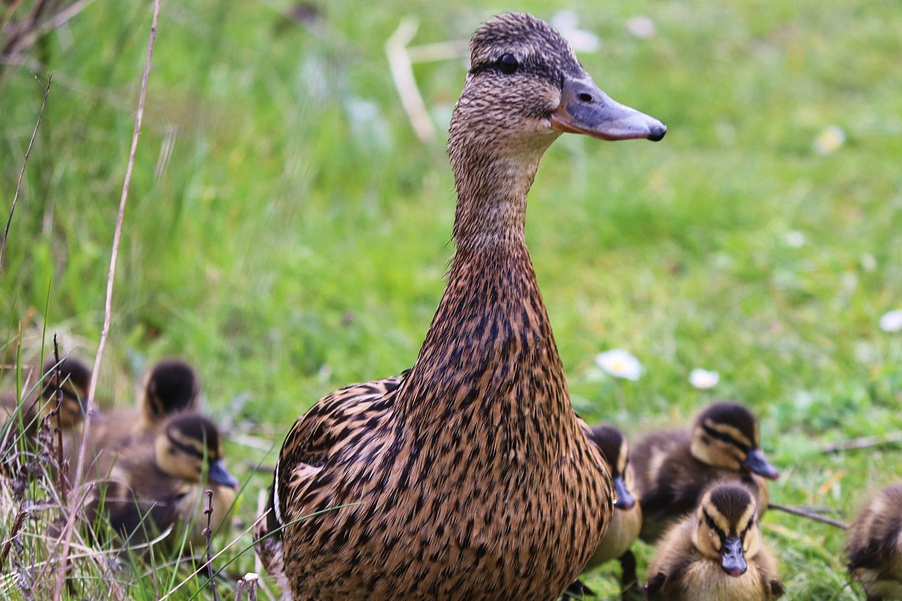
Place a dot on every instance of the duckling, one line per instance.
(157, 482)
(673, 466)
(446, 483)
(64, 385)
(169, 388)
(626, 520)
(875, 545)
(74, 377)
(716, 552)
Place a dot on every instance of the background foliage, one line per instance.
(287, 232)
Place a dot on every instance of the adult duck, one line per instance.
(448, 482)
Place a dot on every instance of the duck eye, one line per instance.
(508, 64)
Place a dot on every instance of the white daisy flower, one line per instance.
(703, 379)
(620, 364)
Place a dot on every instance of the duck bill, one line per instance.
(220, 475)
(585, 109)
(756, 463)
(625, 500)
(732, 559)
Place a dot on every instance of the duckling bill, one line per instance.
(446, 483)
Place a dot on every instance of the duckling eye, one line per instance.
(508, 64)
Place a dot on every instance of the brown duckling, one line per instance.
(158, 482)
(626, 520)
(673, 466)
(74, 379)
(716, 552)
(446, 483)
(169, 388)
(65, 385)
(875, 545)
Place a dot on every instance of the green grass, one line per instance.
(296, 239)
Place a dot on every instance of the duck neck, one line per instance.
(490, 353)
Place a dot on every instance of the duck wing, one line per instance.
(336, 425)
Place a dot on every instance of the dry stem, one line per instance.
(34, 135)
(208, 534)
(114, 253)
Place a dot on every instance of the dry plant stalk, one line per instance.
(114, 253)
(34, 134)
(208, 535)
(248, 581)
(805, 513)
(62, 482)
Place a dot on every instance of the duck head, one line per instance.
(525, 87)
(726, 435)
(615, 449)
(169, 388)
(73, 377)
(187, 446)
(727, 527)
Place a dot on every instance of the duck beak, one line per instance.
(625, 500)
(755, 462)
(220, 475)
(732, 559)
(585, 109)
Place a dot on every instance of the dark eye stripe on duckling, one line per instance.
(729, 435)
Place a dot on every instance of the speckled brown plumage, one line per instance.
(875, 545)
(469, 477)
(672, 467)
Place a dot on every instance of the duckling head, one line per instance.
(188, 445)
(726, 435)
(170, 387)
(727, 527)
(614, 447)
(74, 378)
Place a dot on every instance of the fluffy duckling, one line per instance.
(158, 482)
(875, 545)
(716, 552)
(169, 388)
(626, 520)
(73, 377)
(673, 466)
(446, 483)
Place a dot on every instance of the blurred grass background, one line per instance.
(287, 232)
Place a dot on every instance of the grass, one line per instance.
(287, 232)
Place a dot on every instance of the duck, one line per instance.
(170, 387)
(875, 545)
(64, 388)
(716, 552)
(626, 520)
(672, 467)
(74, 379)
(157, 483)
(446, 482)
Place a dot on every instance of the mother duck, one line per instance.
(469, 477)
